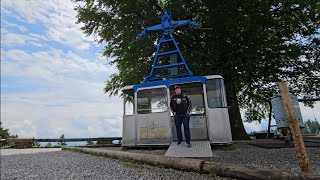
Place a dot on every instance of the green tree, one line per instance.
(62, 141)
(90, 143)
(48, 145)
(4, 134)
(36, 144)
(311, 127)
(252, 44)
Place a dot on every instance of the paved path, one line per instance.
(55, 164)
(7, 152)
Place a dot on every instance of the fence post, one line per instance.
(294, 128)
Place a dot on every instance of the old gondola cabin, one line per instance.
(148, 120)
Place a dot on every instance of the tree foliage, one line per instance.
(62, 141)
(90, 143)
(4, 134)
(311, 127)
(36, 144)
(49, 145)
(252, 44)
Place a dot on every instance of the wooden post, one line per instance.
(270, 117)
(294, 128)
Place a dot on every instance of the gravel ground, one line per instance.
(244, 154)
(41, 164)
(70, 165)
(281, 158)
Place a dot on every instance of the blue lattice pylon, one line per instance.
(167, 28)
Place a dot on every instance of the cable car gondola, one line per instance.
(147, 118)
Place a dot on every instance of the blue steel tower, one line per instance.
(167, 28)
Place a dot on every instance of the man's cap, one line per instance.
(177, 86)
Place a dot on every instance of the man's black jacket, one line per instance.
(180, 104)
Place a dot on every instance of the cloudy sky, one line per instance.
(52, 75)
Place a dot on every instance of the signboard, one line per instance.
(153, 134)
(197, 122)
(153, 131)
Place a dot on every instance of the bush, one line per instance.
(48, 145)
(4, 134)
(62, 142)
(90, 143)
(311, 127)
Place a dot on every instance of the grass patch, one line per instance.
(73, 150)
(6, 147)
(212, 174)
(129, 161)
(52, 146)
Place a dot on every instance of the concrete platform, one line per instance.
(198, 149)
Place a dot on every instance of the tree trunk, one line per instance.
(237, 128)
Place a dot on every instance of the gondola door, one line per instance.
(153, 116)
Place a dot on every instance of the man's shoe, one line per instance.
(188, 145)
(178, 143)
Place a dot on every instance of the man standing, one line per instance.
(180, 105)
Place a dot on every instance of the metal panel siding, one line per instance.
(198, 128)
(151, 126)
(215, 121)
(127, 87)
(224, 96)
(219, 125)
(219, 130)
(129, 131)
(280, 114)
(214, 77)
(168, 83)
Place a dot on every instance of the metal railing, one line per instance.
(28, 141)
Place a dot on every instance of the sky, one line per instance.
(53, 75)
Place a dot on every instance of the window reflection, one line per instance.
(214, 93)
(197, 103)
(128, 96)
(152, 101)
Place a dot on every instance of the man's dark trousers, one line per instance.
(184, 119)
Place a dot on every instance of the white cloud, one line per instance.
(310, 113)
(253, 126)
(10, 39)
(37, 118)
(39, 36)
(25, 127)
(30, 116)
(53, 91)
(36, 44)
(5, 23)
(58, 17)
(53, 65)
(13, 39)
(69, 100)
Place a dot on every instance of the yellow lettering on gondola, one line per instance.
(153, 134)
